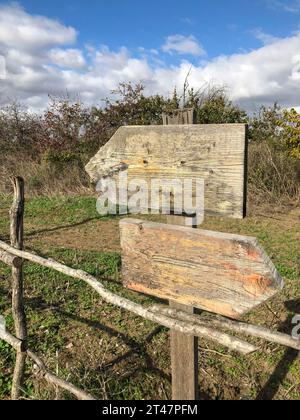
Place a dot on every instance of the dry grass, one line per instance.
(44, 178)
(274, 177)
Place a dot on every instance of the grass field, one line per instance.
(114, 354)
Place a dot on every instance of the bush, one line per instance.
(212, 106)
(264, 126)
(290, 124)
(274, 172)
(50, 150)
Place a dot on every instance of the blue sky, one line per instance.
(221, 26)
(74, 45)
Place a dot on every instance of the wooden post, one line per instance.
(180, 117)
(184, 358)
(16, 237)
(184, 349)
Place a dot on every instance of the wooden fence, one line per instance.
(216, 329)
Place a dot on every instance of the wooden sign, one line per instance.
(218, 272)
(215, 153)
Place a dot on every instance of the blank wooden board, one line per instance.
(216, 153)
(221, 273)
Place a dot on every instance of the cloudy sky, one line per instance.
(85, 48)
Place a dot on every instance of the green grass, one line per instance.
(117, 355)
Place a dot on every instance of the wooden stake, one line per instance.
(16, 238)
(184, 350)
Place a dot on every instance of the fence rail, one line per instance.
(215, 329)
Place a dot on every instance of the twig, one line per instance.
(289, 390)
(272, 312)
(214, 352)
(205, 372)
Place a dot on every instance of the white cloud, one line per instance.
(268, 74)
(2, 68)
(262, 36)
(264, 75)
(187, 45)
(36, 68)
(19, 29)
(290, 6)
(71, 58)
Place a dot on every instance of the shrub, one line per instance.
(290, 124)
(264, 125)
(50, 150)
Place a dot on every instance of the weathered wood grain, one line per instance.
(221, 273)
(215, 153)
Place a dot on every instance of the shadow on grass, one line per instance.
(136, 347)
(33, 233)
(58, 228)
(271, 388)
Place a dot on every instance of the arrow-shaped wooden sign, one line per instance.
(218, 272)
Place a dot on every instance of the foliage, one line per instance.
(264, 125)
(131, 107)
(274, 173)
(17, 128)
(51, 149)
(213, 106)
(290, 123)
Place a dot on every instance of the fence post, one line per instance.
(16, 238)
